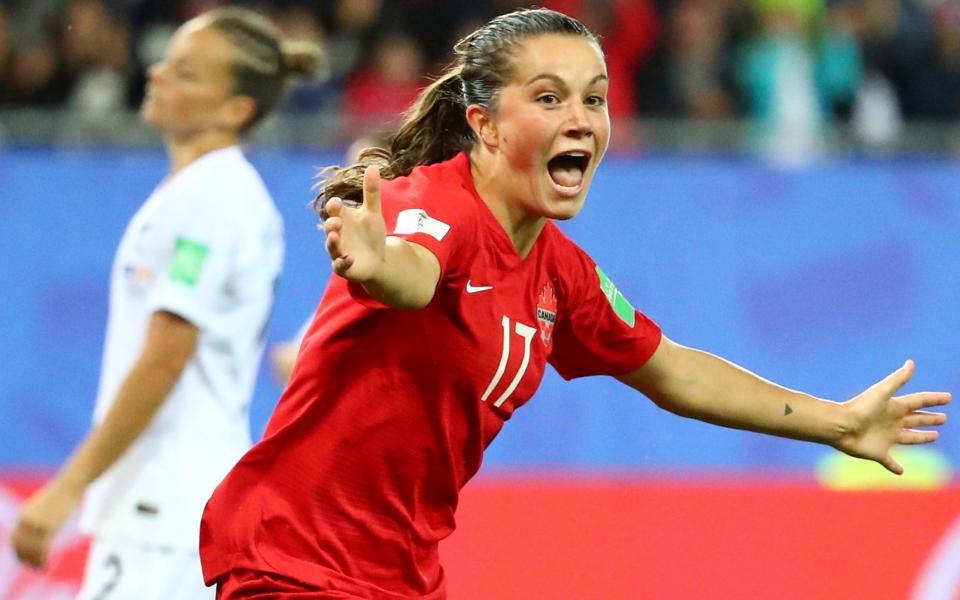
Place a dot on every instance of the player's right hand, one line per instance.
(41, 517)
(356, 235)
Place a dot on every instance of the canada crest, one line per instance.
(546, 312)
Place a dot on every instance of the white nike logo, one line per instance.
(473, 289)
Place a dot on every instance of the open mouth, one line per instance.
(567, 169)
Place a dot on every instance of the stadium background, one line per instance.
(822, 269)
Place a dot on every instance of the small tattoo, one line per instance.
(787, 410)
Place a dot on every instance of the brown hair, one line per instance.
(435, 128)
(264, 61)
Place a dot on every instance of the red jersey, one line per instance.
(388, 412)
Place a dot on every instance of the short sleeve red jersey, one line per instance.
(388, 412)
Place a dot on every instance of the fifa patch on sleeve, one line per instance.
(188, 257)
(416, 220)
(620, 304)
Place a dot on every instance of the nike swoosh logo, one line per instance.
(473, 289)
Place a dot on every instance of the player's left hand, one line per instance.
(879, 419)
(42, 515)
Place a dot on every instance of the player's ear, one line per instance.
(483, 125)
(238, 111)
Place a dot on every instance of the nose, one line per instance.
(578, 125)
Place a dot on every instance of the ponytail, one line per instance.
(303, 59)
(435, 129)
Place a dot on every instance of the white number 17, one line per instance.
(524, 331)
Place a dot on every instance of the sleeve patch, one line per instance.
(188, 257)
(416, 220)
(620, 304)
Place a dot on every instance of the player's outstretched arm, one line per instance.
(170, 343)
(396, 272)
(699, 385)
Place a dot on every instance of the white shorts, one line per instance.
(124, 570)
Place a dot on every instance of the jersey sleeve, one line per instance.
(598, 331)
(435, 216)
(195, 256)
(438, 215)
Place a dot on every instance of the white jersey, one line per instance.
(207, 246)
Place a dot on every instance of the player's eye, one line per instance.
(184, 72)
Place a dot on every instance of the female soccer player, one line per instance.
(453, 289)
(191, 290)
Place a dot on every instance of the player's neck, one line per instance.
(184, 150)
(522, 228)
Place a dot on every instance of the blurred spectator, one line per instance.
(911, 51)
(839, 61)
(777, 77)
(876, 116)
(688, 74)
(799, 71)
(34, 75)
(434, 24)
(929, 83)
(352, 25)
(874, 111)
(96, 52)
(299, 22)
(389, 85)
(699, 51)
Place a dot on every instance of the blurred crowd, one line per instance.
(790, 66)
